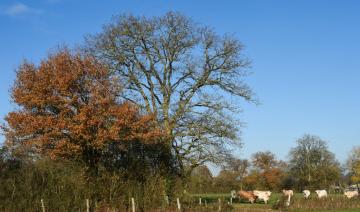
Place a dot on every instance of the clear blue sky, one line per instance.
(306, 58)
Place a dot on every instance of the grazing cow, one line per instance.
(321, 193)
(248, 195)
(306, 194)
(351, 194)
(288, 194)
(263, 195)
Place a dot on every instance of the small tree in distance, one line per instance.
(200, 180)
(312, 164)
(240, 167)
(353, 165)
(267, 169)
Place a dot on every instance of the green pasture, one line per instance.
(334, 202)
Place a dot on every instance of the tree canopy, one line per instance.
(68, 108)
(268, 172)
(353, 165)
(312, 164)
(183, 73)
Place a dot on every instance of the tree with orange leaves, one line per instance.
(268, 171)
(68, 108)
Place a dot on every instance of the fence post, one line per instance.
(219, 204)
(178, 204)
(167, 199)
(42, 205)
(87, 205)
(133, 204)
(200, 201)
(230, 200)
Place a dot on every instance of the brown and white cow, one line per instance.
(248, 195)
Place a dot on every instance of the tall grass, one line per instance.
(63, 187)
(331, 202)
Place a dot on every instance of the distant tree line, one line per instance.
(310, 165)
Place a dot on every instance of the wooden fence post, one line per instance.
(87, 205)
(167, 199)
(200, 201)
(178, 204)
(219, 204)
(133, 204)
(42, 205)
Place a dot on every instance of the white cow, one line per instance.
(288, 194)
(306, 194)
(263, 195)
(321, 193)
(351, 194)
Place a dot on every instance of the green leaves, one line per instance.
(312, 164)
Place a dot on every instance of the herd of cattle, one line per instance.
(252, 196)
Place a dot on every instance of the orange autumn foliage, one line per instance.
(270, 179)
(273, 178)
(68, 108)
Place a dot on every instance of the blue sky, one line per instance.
(305, 58)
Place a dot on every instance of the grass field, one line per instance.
(334, 202)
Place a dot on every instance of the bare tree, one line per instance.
(239, 167)
(183, 73)
(264, 160)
